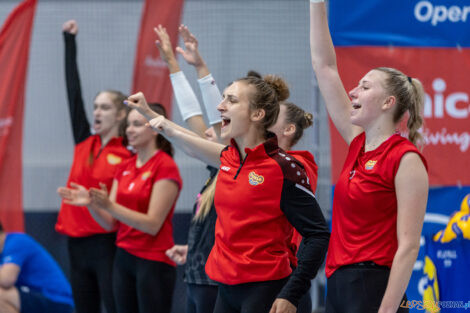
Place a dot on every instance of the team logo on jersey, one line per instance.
(146, 175)
(255, 179)
(113, 159)
(370, 164)
(225, 168)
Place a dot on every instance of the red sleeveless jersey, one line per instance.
(364, 222)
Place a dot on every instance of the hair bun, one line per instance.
(279, 85)
(308, 119)
(252, 73)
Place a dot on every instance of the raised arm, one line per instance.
(211, 95)
(324, 64)
(193, 145)
(163, 196)
(186, 100)
(80, 124)
(411, 184)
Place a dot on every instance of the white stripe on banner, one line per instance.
(436, 218)
(305, 189)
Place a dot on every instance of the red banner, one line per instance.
(15, 38)
(151, 75)
(445, 76)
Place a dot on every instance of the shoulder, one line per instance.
(87, 142)
(359, 140)
(292, 169)
(399, 147)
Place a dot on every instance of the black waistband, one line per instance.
(365, 264)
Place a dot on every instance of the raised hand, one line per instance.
(178, 254)
(164, 44)
(138, 102)
(100, 197)
(75, 195)
(160, 124)
(191, 51)
(70, 27)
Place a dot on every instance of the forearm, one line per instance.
(321, 46)
(202, 70)
(197, 125)
(8, 275)
(187, 103)
(134, 219)
(211, 97)
(103, 218)
(194, 146)
(400, 274)
(304, 213)
(80, 124)
(173, 65)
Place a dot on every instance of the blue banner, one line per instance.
(416, 23)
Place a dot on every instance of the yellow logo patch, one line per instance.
(255, 179)
(370, 164)
(113, 159)
(146, 175)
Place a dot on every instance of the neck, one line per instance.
(250, 140)
(105, 138)
(378, 133)
(144, 153)
(284, 143)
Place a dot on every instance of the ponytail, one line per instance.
(206, 200)
(409, 94)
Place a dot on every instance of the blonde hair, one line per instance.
(206, 200)
(409, 94)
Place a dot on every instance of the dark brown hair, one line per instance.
(297, 116)
(409, 94)
(162, 143)
(269, 91)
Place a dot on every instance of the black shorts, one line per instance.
(35, 302)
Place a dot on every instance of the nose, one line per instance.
(352, 92)
(221, 106)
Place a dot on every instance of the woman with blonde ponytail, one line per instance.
(380, 198)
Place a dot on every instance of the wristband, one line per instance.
(316, 1)
(211, 97)
(185, 98)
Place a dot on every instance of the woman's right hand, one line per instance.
(178, 254)
(138, 102)
(70, 27)
(191, 54)
(164, 45)
(75, 195)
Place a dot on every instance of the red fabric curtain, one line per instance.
(15, 38)
(151, 74)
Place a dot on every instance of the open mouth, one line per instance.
(225, 121)
(356, 106)
(97, 122)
